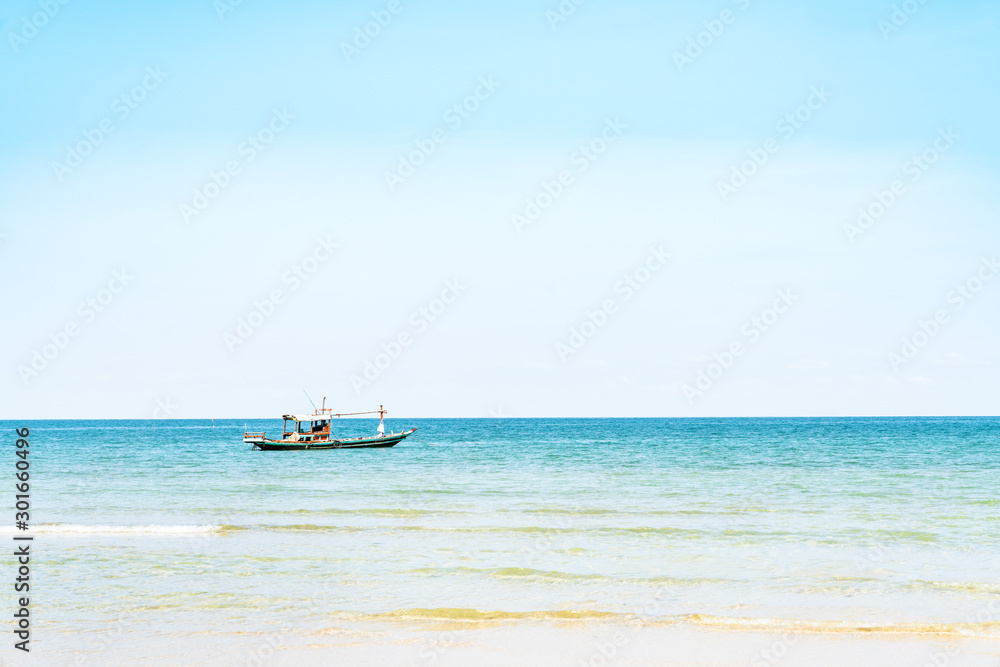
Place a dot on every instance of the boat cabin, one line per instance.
(306, 428)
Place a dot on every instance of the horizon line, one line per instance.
(503, 417)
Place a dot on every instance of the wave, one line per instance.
(990, 629)
(554, 511)
(571, 512)
(992, 588)
(545, 530)
(754, 624)
(365, 512)
(763, 536)
(556, 575)
(511, 573)
(903, 535)
(459, 614)
(73, 528)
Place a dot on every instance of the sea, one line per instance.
(156, 538)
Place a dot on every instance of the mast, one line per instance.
(310, 400)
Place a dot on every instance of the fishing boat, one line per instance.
(313, 432)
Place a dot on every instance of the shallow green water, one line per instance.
(175, 528)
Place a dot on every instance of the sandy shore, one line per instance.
(608, 645)
(547, 644)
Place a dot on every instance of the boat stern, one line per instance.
(253, 438)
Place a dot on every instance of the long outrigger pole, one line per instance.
(380, 411)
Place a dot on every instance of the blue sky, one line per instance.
(495, 348)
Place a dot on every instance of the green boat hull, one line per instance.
(347, 443)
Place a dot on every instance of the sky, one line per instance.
(521, 209)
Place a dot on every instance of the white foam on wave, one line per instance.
(84, 529)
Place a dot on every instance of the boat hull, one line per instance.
(344, 443)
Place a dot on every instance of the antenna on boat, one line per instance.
(310, 401)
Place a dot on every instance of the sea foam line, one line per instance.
(968, 629)
(73, 528)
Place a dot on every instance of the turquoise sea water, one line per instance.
(174, 529)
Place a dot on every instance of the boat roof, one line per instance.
(307, 418)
